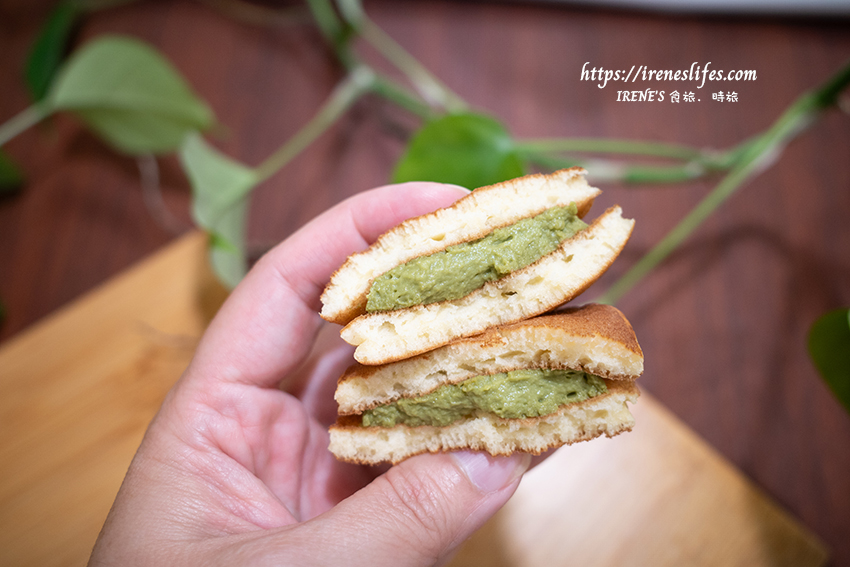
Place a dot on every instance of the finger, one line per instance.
(266, 327)
(420, 510)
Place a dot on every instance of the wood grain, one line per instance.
(78, 389)
(656, 496)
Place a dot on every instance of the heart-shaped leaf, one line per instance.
(471, 150)
(220, 189)
(829, 347)
(49, 48)
(129, 94)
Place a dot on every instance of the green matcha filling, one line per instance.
(461, 269)
(516, 394)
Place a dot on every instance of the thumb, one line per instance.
(421, 510)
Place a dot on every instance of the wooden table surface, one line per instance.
(722, 323)
(78, 389)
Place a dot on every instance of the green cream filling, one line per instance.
(461, 269)
(517, 394)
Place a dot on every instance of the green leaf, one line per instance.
(471, 150)
(227, 245)
(130, 95)
(220, 189)
(829, 348)
(218, 182)
(11, 177)
(49, 48)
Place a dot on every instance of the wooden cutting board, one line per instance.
(78, 389)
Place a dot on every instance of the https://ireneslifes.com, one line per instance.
(698, 75)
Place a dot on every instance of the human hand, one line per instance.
(234, 469)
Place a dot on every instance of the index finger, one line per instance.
(267, 325)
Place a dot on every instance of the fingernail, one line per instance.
(489, 473)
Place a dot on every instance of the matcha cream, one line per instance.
(516, 394)
(461, 269)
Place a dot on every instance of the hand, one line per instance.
(235, 470)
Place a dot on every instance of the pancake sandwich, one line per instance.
(529, 386)
(501, 254)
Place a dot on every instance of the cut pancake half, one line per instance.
(554, 279)
(472, 217)
(592, 339)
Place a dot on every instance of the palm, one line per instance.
(267, 447)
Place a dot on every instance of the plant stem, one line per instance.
(554, 162)
(401, 96)
(357, 82)
(646, 174)
(149, 179)
(756, 156)
(430, 88)
(337, 32)
(698, 163)
(23, 120)
(352, 12)
(615, 171)
(602, 145)
(327, 20)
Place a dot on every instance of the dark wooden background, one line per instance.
(723, 323)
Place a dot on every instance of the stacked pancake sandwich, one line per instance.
(444, 312)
